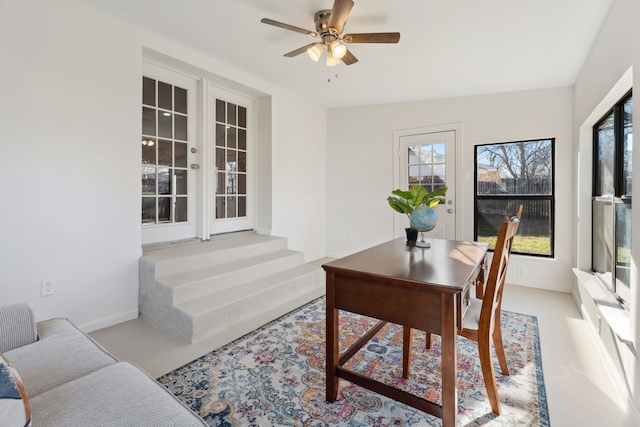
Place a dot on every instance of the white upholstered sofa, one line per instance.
(70, 380)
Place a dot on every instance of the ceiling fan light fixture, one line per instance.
(332, 60)
(315, 51)
(338, 50)
(329, 26)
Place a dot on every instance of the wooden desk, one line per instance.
(423, 288)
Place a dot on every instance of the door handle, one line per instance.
(450, 210)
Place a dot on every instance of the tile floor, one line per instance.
(579, 391)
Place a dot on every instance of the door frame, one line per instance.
(456, 128)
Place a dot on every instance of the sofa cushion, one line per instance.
(14, 404)
(17, 326)
(62, 354)
(114, 396)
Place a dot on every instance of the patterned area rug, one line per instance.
(274, 376)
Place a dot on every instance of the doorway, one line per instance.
(197, 158)
(427, 157)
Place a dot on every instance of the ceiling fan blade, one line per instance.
(372, 38)
(298, 51)
(339, 14)
(288, 27)
(349, 59)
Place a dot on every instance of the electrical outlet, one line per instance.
(48, 287)
(520, 271)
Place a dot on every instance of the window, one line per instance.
(426, 165)
(510, 175)
(611, 202)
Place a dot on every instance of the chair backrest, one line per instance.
(492, 300)
(518, 215)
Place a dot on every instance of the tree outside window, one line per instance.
(511, 175)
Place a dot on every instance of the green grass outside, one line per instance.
(526, 244)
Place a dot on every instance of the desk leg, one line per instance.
(407, 340)
(332, 359)
(449, 360)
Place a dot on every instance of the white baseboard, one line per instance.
(108, 321)
(336, 255)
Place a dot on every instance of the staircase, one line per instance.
(196, 290)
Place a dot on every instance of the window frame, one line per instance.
(618, 182)
(549, 197)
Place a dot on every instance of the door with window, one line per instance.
(231, 144)
(168, 145)
(428, 159)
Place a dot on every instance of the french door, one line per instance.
(197, 158)
(231, 126)
(428, 158)
(169, 145)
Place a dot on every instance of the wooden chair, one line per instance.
(517, 215)
(483, 319)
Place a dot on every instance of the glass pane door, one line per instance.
(231, 160)
(428, 160)
(164, 153)
(168, 182)
(231, 115)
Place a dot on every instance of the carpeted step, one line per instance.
(172, 261)
(199, 283)
(197, 289)
(217, 312)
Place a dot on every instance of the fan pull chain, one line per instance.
(329, 76)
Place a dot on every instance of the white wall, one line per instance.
(70, 123)
(68, 118)
(613, 64)
(361, 162)
(300, 174)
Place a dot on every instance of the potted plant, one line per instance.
(406, 201)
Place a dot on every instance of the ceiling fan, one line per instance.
(329, 27)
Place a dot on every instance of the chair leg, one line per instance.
(407, 340)
(497, 343)
(427, 343)
(484, 349)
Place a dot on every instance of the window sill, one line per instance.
(611, 310)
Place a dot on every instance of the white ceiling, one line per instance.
(447, 48)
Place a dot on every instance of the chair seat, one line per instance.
(472, 321)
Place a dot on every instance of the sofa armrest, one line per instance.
(17, 326)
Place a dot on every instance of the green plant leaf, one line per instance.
(435, 201)
(439, 192)
(399, 205)
(407, 195)
(436, 197)
(419, 194)
(407, 201)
